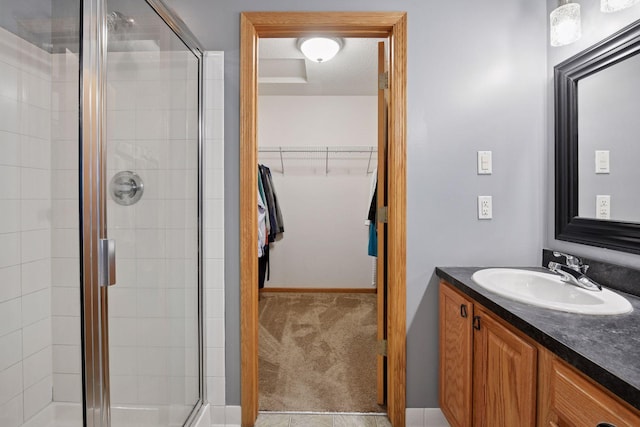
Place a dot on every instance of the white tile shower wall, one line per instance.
(25, 230)
(214, 234)
(65, 257)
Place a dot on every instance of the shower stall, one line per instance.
(101, 301)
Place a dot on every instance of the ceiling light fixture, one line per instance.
(565, 23)
(320, 49)
(608, 6)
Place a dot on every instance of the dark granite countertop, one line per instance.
(605, 348)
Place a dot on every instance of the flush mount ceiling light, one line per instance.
(565, 24)
(320, 49)
(616, 5)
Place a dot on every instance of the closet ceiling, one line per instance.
(283, 70)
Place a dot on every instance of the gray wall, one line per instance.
(476, 81)
(595, 27)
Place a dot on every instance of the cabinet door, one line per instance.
(456, 341)
(504, 366)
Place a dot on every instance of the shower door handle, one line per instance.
(107, 262)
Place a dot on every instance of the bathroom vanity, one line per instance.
(508, 363)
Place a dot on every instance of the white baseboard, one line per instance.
(425, 417)
(226, 416)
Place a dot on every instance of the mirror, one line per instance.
(596, 131)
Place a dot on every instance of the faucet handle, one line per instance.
(572, 261)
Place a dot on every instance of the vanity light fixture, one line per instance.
(565, 23)
(608, 6)
(320, 49)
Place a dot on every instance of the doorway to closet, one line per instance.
(392, 26)
(318, 153)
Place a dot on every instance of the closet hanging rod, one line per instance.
(325, 150)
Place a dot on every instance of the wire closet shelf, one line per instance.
(349, 160)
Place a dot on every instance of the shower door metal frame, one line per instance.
(93, 224)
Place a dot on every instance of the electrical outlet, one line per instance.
(485, 208)
(603, 207)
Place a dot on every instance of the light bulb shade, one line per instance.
(565, 24)
(320, 49)
(609, 6)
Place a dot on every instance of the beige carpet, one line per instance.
(317, 352)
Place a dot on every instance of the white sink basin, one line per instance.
(547, 290)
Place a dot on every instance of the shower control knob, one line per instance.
(126, 188)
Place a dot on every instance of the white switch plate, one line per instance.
(603, 207)
(485, 207)
(485, 166)
(602, 161)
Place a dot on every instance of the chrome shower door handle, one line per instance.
(107, 262)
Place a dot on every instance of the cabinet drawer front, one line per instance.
(578, 402)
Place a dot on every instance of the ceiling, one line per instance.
(283, 69)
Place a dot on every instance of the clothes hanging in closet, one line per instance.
(372, 247)
(270, 222)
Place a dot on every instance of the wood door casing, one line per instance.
(391, 25)
(456, 347)
(504, 375)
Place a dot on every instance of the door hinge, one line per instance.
(382, 347)
(383, 80)
(383, 214)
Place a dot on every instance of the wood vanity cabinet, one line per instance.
(567, 398)
(487, 370)
(491, 375)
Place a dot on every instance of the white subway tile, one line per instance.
(214, 94)
(36, 214)
(64, 154)
(9, 249)
(152, 154)
(10, 316)
(215, 362)
(67, 388)
(215, 302)
(121, 94)
(66, 330)
(37, 367)
(150, 214)
(153, 390)
(233, 415)
(36, 275)
(123, 331)
(215, 332)
(214, 184)
(151, 124)
(152, 303)
(214, 273)
(121, 125)
(9, 79)
(124, 389)
(36, 121)
(10, 383)
(66, 301)
(150, 243)
(9, 115)
(123, 360)
(123, 302)
(11, 412)
(9, 148)
(37, 397)
(65, 213)
(153, 361)
(10, 349)
(36, 306)
(64, 125)
(35, 245)
(64, 184)
(36, 153)
(36, 336)
(66, 359)
(9, 216)
(9, 174)
(64, 96)
(214, 123)
(152, 332)
(35, 184)
(9, 283)
(65, 242)
(214, 243)
(66, 271)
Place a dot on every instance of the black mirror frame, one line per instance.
(618, 235)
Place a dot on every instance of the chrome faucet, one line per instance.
(573, 272)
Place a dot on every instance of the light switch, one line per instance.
(602, 161)
(485, 166)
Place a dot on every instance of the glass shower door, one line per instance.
(152, 188)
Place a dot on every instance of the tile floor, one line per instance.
(324, 420)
